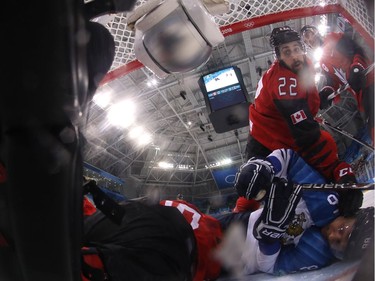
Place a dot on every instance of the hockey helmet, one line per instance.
(308, 27)
(362, 235)
(283, 35)
(311, 36)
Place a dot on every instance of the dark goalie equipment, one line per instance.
(283, 35)
(361, 238)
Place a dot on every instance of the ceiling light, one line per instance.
(225, 161)
(146, 138)
(102, 99)
(122, 114)
(152, 82)
(135, 132)
(165, 165)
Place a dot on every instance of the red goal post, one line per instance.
(244, 15)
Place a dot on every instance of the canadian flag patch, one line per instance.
(298, 116)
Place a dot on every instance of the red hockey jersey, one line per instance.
(334, 60)
(336, 63)
(208, 234)
(282, 116)
(268, 124)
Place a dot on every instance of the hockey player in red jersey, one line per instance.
(345, 65)
(136, 241)
(286, 102)
(170, 240)
(208, 234)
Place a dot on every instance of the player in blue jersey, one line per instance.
(296, 230)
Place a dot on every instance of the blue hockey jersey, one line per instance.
(303, 246)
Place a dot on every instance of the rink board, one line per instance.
(340, 271)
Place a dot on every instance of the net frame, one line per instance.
(243, 15)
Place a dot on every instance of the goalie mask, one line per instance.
(283, 35)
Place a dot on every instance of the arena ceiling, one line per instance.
(179, 125)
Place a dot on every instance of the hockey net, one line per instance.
(249, 14)
(244, 15)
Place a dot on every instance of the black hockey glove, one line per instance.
(357, 79)
(278, 211)
(350, 200)
(254, 178)
(323, 94)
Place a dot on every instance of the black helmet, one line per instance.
(312, 40)
(282, 35)
(307, 27)
(362, 235)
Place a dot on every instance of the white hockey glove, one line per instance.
(278, 211)
(254, 178)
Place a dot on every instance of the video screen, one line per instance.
(223, 89)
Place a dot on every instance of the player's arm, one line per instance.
(300, 120)
(316, 147)
(257, 173)
(277, 213)
(280, 159)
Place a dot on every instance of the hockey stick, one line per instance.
(336, 186)
(346, 83)
(323, 122)
(338, 91)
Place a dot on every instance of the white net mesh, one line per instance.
(240, 10)
(250, 9)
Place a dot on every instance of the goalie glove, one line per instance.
(254, 178)
(278, 211)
